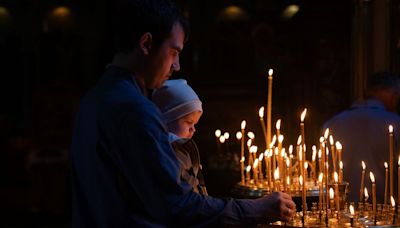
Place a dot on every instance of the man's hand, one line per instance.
(280, 206)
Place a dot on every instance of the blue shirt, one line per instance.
(125, 173)
(363, 130)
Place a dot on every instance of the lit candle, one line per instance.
(340, 172)
(351, 208)
(331, 198)
(260, 158)
(248, 168)
(273, 154)
(313, 162)
(321, 190)
(362, 180)
(391, 158)
(242, 126)
(299, 153)
(269, 106)
(288, 189)
(217, 135)
(326, 176)
(302, 117)
(339, 148)
(320, 169)
(280, 159)
(393, 203)
(276, 180)
(386, 182)
(332, 143)
(366, 195)
(261, 115)
(336, 179)
(255, 171)
(269, 155)
(287, 169)
(278, 127)
(372, 177)
(249, 142)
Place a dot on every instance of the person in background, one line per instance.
(363, 132)
(124, 172)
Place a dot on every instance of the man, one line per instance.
(363, 132)
(124, 171)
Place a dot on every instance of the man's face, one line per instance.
(184, 127)
(164, 60)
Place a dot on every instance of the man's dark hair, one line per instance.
(382, 80)
(136, 17)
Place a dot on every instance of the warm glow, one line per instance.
(261, 112)
(321, 139)
(319, 154)
(287, 162)
(326, 134)
(239, 135)
(61, 11)
(338, 145)
(314, 153)
(390, 129)
(351, 208)
(222, 139)
(320, 177)
(248, 168)
(276, 151)
(217, 133)
(372, 177)
(266, 152)
(249, 143)
(270, 72)
(299, 140)
(366, 195)
(251, 135)
(253, 149)
(243, 159)
(300, 156)
(331, 140)
(340, 165)
(335, 177)
(288, 180)
(303, 115)
(260, 158)
(326, 151)
(290, 11)
(243, 125)
(386, 165)
(398, 161)
(280, 138)
(331, 193)
(273, 141)
(301, 180)
(363, 165)
(276, 174)
(392, 201)
(278, 124)
(283, 153)
(226, 135)
(305, 165)
(291, 150)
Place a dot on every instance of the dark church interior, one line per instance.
(52, 52)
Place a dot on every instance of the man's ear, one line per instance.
(145, 43)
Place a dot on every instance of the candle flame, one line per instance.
(273, 141)
(276, 174)
(335, 177)
(392, 201)
(398, 161)
(243, 125)
(386, 165)
(301, 180)
(239, 135)
(326, 151)
(314, 154)
(306, 165)
(331, 193)
(366, 195)
(261, 112)
(351, 208)
(291, 150)
(320, 177)
(321, 139)
(260, 158)
(340, 165)
(280, 138)
(372, 177)
(283, 152)
(248, 168)
(253, 149)
(326, 134)
(266, 153)
(287, 162)
(278, 124)
(243, 159)
(299, 140)
(319, 154)
(390, 129)
(255, 164)
(363, 165)
(217, 133)
(276, 151)
(338, 145)
(222, 139)
(288, 180)
(303, 115)
(226, 135)
(251, 135)
(331, 140)
(249, 143)
(270, 72)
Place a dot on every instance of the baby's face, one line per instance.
(185, 127)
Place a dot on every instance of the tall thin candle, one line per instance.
(391, 159)
(261, 115)
(362, 180)
(269, 105)
(372, 177)
(242, 126)
(386, 183)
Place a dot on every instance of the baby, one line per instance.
(182, 109)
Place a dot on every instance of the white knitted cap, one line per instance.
(176, 99)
